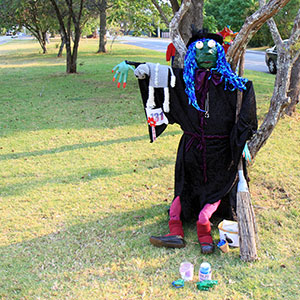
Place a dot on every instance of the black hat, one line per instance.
(203, 34)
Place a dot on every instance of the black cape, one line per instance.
(208, 154)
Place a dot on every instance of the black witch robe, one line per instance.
(210, 148)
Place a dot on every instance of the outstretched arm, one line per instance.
(122, 70)
(246, 154)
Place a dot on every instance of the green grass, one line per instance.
(82, 189)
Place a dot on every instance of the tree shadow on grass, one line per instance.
(86, 250)
(86, 175)
(73, 147)
(36, 265)
(12, 156)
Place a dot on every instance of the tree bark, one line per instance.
(193, 16)
(72, 68)
(175, 6)
(287, 59)
(278, 103)
(102, 34)
(190, 12)
(41, 37)
(294, 89)
(175, 33)
(62, 44)
(74, 19)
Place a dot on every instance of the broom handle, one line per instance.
(240, 98)
(247, 206)
(240, 93)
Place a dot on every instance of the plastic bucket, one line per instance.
(229, 232)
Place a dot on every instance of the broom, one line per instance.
(244, 209)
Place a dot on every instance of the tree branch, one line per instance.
(60, 18)
(161, 12)
(175, 6)
(250, 27)
(275, 32)
(174, 29)
(296, 30)
(285, 86)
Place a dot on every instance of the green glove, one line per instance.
(205, 285)
(122, 69)
(246, 153)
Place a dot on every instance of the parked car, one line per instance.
(271, 58)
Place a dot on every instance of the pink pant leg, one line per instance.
(207, 211)
(175, 209)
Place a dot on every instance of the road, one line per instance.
(254, 60)
(4, 39)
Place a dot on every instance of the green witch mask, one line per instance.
(206, 53)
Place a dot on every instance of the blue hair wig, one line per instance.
(232, 80)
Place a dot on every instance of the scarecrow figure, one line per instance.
(228, 37)
(203, 102)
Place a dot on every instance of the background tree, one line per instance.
(234, 12)
(7, 15)
(230, 13)
(35, 15)
(57, 28)
(75, 19)
(99, 8)
(137, 17)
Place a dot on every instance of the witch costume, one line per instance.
(203, 102)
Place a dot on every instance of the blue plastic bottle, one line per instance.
(205, 271)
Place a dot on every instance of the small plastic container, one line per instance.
(186, 271)
(229, 232)
(205, 271)
(223, 245)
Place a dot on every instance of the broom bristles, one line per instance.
(247, 227)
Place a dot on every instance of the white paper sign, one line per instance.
(158, 116)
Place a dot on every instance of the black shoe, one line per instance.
(207, 248)
(171, 241)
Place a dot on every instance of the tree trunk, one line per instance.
(102, 34)
(69, 56)
(287, 60)
(71, 64)
(193, 16)
(175, 6)
(278, 103)
(294, 89)
(190, 12)
(41, 37)
(72, 18)
(43, 42)
(72, 60)
(62, 44)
